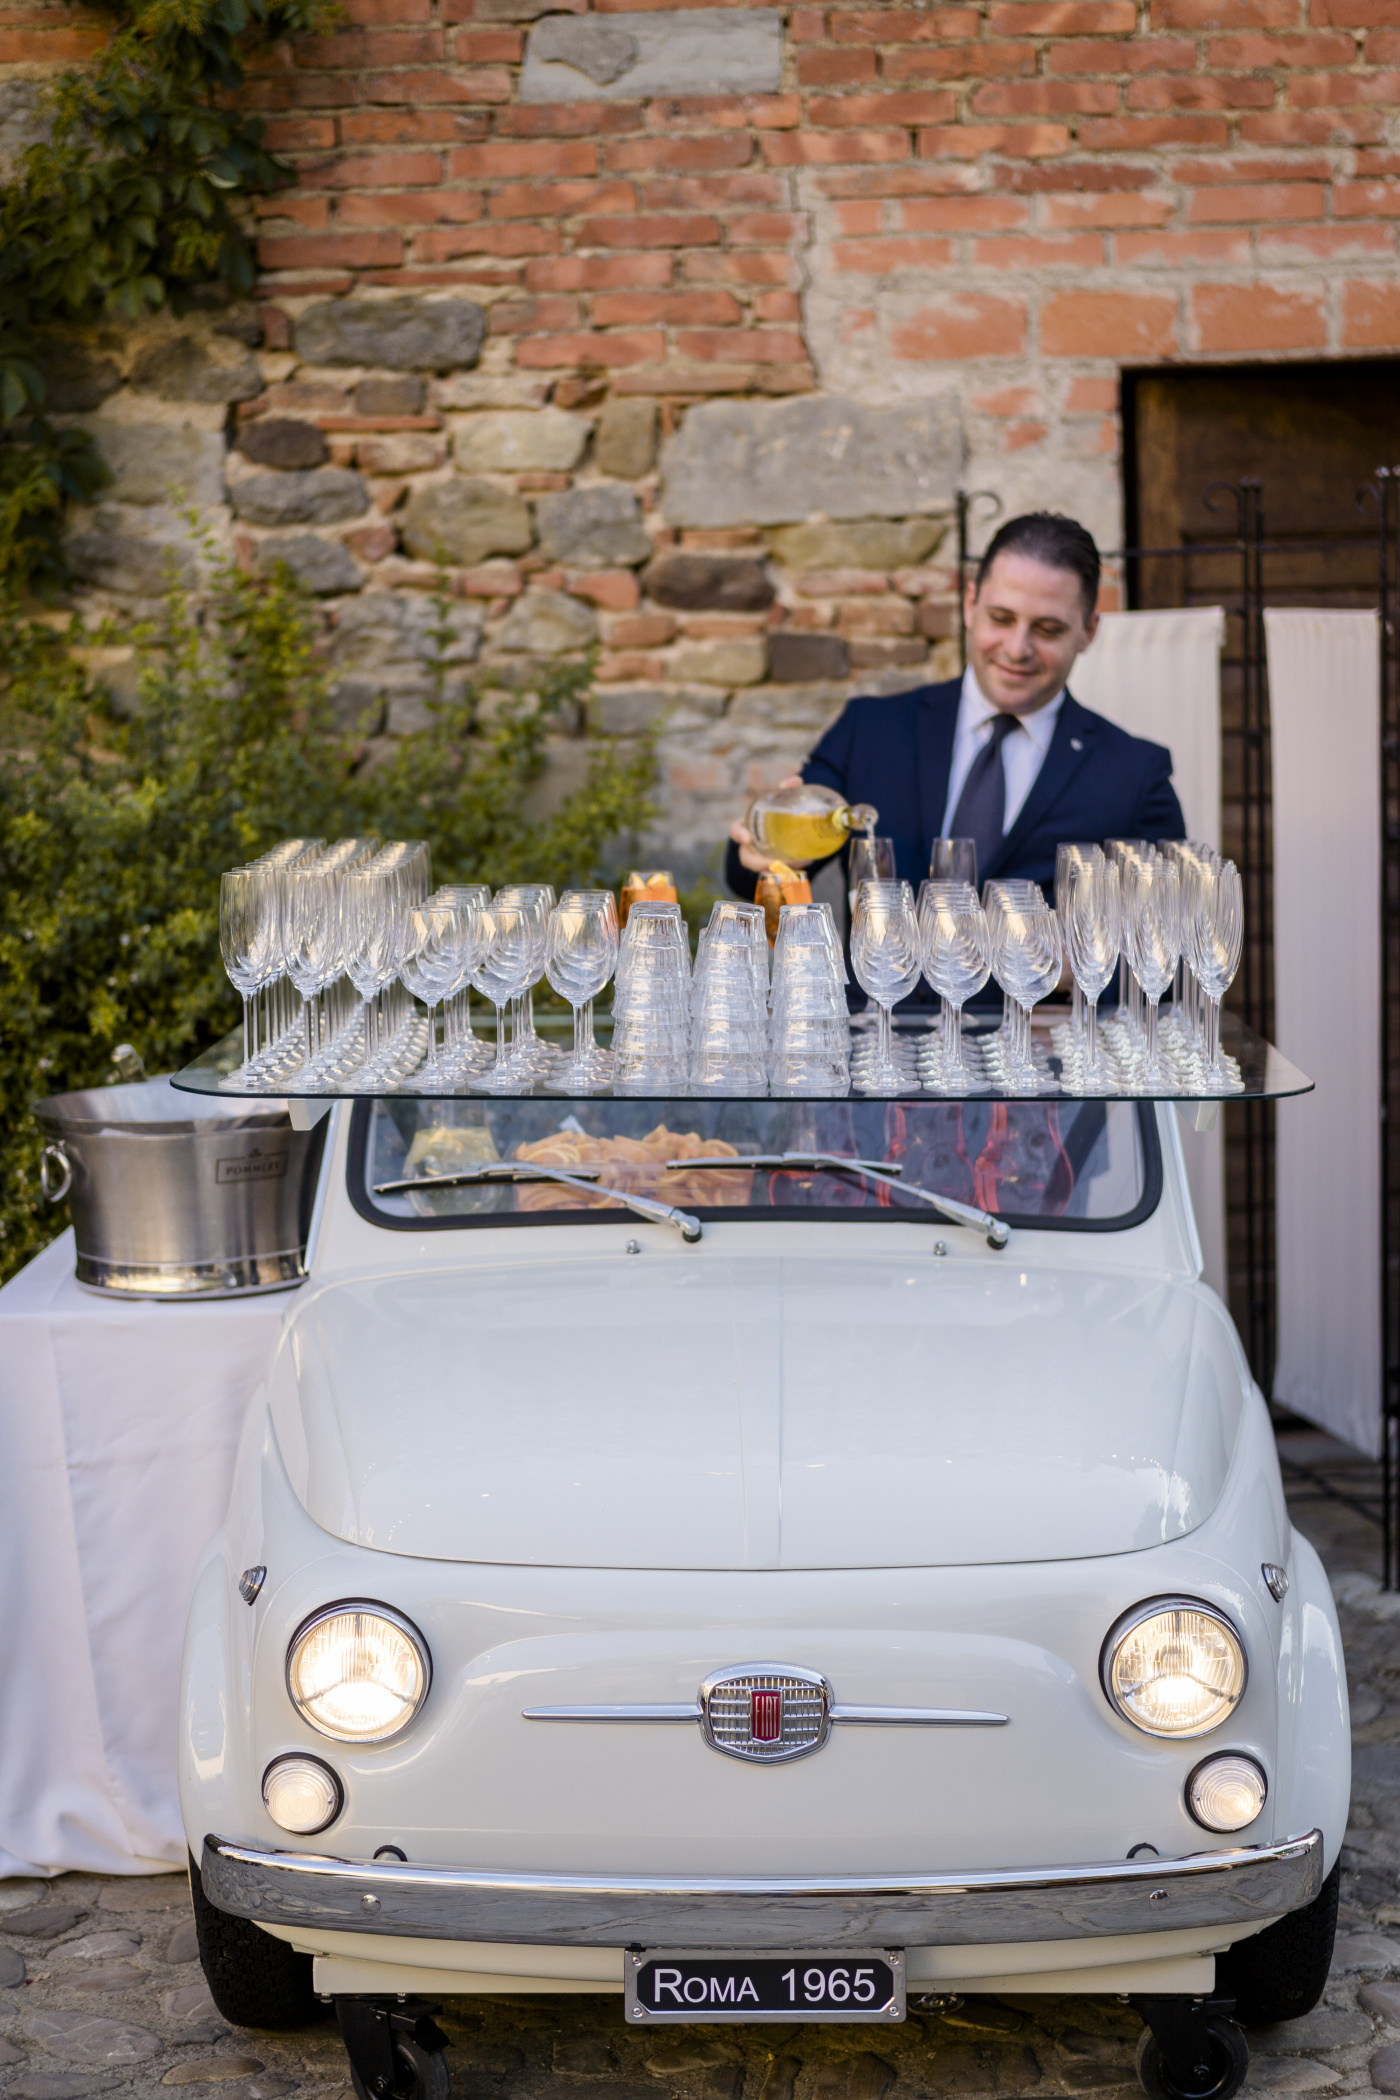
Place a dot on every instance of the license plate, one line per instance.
(670, 1986)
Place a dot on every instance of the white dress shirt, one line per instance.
(1023, 752)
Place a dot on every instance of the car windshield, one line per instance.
(1077, 1165)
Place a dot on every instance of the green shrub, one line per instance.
(114, 828)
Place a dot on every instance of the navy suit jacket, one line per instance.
(1096, 783)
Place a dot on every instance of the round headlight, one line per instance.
(1174, 1667)
(1226, 1793)
(358, 1672)
(301, 1794)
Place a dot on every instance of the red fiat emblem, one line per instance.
(766, 1722)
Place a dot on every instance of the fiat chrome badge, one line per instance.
(768, 1713)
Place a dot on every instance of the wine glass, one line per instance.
(249, 941)
(502, 971)
(1027, 957)
(953, 860)
(1092, 933)
(1152, 927)
(886, 960)
(870, 860)
(310, 941)
(957, 961)
(526, 1043)
(580, 957)
(371, 937)
(1216, 944)
(436, 941)
(1069, 856)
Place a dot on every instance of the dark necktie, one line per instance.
(981, 810)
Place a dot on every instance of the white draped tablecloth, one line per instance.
(118, 1427)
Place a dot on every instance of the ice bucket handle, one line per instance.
(57, 1152)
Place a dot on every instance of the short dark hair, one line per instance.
(1059, 542)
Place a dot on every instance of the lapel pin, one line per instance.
(1076, 743)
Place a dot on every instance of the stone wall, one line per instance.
(676, 329)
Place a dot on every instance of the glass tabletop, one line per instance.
(1259, 1071)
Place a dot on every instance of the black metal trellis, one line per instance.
(1248, 553)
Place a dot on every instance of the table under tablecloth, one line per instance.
(119, 1421)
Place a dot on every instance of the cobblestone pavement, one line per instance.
(101, 1992)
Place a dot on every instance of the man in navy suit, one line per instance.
(1005, 754)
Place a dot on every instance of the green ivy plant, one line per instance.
(136, 200)
(115, 827)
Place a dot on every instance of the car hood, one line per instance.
(769, 1412)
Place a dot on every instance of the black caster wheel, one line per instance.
(420, 2074)
(1218, 2078)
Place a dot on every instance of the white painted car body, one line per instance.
(593, 1478)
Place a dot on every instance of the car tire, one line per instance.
(1229, 2062)
(253, 1979)
(422, 2074)
(1280, 1973)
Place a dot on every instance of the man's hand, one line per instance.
(751, 856)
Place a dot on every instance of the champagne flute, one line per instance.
(1217, 943)
(1093, 933)
(1152, 920)
(886, 960)
(249, 941)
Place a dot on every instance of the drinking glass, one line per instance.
(437, 942)
(885, 957)
(249, 941)
(729, 1019)
(371, 939)
(1217, 942)
(526, 1043)
(871, 860)
(1151, 908)
(580, 957)
(954, 860)
(809, 1036)
(651, 1002)
(1069, 856)
(310, 941)
(957, 961)
(1027, 958)
(1122, 852)
(1092, 933)
(504, 963)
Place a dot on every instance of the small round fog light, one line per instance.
(1226, 1793)
(301, 1794)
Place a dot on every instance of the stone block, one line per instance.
(1325, 2027)
(709, 583)
(544, 623)
(324, 496)
(464, 522)
(78, 374)
(779, 462)
(386, 632)
(520, 440)
(796, 659)
(358, 706)
(789, 709)
(169, 1890)
(1385, 2069)
(183, 1945)
(322, 567)
(282, 441)
(624, 439)
(402, 452)
(628, 710)
(213, 2070)
(55, 2085)
(11, 1968)
(1365, 1950)
(190, 367)
(84, 2039)
(687, 51)
(406, 334)
(390, 397)
(160, 462)
(743, 661)
(1380, 1999)
(593, 528)
(865, 543)
(114, 560)
(25, 121)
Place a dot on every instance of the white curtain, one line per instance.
(1157, 674)
(1324, 701)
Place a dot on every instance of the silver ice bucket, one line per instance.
(177, 1195)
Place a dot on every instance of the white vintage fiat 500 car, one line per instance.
(769, 1560)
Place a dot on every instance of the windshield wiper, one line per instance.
(581, 1177)
(888, 1175)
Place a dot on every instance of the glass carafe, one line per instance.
(806, 823)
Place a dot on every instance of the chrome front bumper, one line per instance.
(1235, 1889)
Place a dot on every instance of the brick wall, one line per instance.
(990, 207)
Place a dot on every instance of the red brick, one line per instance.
(535, 157)
(807, 25)
(49, 46)
(750, 267)
(358, 49)
(351, 251)
(1286, 127)
(695, 309)
(1383, 47)
(1336, 90)
(908, 107)
(1141, 134)
(787, 149)
(1371, 315)
(778, 306)
(1235, 318)
(1355, 14)
(560, 200)
(552, 316)
(743, 346)
(372, 14)
(1316, 49)
(1308, 243)
(1062, 17)
(726, 113)
(860, 217)
(1366, 200)
(444, 244)
(902, 25)
(567, 120)
(298, 134)
(1261, 200)
(413, 208)
(729, 150)
(1213, 91)
(616, 590)
(1169, 249)
(439, 85)
(1283, 167)
(970, 141)
(1088, 397)
(1076, 176)
(1108, 208)
(1374, 163)
(1226, 14)
(1030, 252)
(479, 47)
(1108, 324)
(751, 186)
(760, 229)
(398, 127)
(1007, 401)
(999, 61)
(963, 214)
(293, 208)
(642, 231)
(1157, 54)
(873, 258)
(381, 171)
(835, 68)
(300, 91)
(1045, 98)
(587, 349)
(589, 273)
(964, 324)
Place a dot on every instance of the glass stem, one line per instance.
(432, 1057)
(1091, 1033)
(580, 1041)
(1151, 1031)
(884, 1052)
(589, 1046)
(1212, 1033)
(247, 1029)
(1076, 1013)
(308, 1029)
(500, 1038)
(952, 1036)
